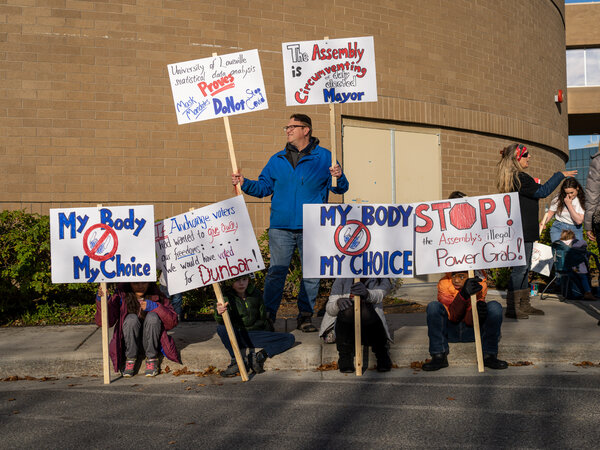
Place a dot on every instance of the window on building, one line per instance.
(583, 67)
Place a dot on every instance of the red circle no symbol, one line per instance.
(353, 238)
(108, 231)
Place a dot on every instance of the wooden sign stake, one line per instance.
(231, 333)
(358, 350)
(333, 136)
(476, 328)
(104, 318)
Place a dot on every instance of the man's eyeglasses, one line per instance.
(291, 127)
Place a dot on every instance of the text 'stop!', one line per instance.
(218, 86)
(329, 71)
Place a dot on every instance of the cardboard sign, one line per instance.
(218, 86)
(351, 241)
(542, 258)
(207, 245)
(103, 244)
(468, 233)
(331, 71)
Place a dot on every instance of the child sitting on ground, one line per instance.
(576, 260)
(141, 315)
(252, 328)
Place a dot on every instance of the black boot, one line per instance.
(346, 363)
(384, 362)
(492, 362)
(438, 361)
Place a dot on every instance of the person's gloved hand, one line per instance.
(471, 287)
(481, 311)
(344, 303)
(359, 289)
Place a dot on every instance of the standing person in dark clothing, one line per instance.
(297, 175)
(511, 178)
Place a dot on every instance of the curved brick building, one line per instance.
(88, 115)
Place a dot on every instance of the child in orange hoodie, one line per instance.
(450, 320)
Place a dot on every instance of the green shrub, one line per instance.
(25, 277)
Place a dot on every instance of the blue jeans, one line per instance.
(272, 342)
(176, 299)
(519, 276)
(441, 330)
(557, 228)
(282, 244)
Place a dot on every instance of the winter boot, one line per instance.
(346, 357)
(525, 303)
(513, 310)
(384, 362)
(438, 361)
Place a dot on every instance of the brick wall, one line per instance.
(87, 117)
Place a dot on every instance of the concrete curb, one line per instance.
(568, 333)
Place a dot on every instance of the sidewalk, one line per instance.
(568, 333)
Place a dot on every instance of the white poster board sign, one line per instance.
(468, 233)
(329, 71)
(102, 244)
(207, 245)
(351, 241)
(218, 86)
(542, 258)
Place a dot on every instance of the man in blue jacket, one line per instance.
(301, 173)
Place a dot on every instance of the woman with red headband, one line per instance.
(511, 178)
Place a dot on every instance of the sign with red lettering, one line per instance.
(207, 245)
(329, 71)
(468, 233)
(352, 241)
(218, 86)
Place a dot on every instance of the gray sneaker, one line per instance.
(232, 370)
(151, 367)
(129, 370)
(258, 361)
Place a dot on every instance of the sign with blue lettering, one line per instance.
(329, 71)
(469, 233)
(351, 241)
(103, 244)
(218, 86)
(207, 245)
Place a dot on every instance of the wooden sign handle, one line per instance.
(104, 314)
(234, 167)
(333, 137)
(104, 318)
(358, 350)
(231, 333)
(476, 328)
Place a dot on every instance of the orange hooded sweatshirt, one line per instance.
(458, 308)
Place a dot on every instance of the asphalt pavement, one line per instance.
(567, 333)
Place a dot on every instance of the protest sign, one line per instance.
(218, 86)
(103, 244)
(329, 71)
(207, 245)
(468, 233)
(542, 258)
(351, 241)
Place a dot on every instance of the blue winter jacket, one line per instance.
(291, 188)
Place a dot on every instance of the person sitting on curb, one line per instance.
(252, 329)
(450, 320)
(339, 316)
(141, 315)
